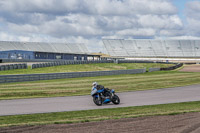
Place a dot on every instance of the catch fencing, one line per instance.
(49, 76)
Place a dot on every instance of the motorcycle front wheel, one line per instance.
(115, 99)
(97, 101)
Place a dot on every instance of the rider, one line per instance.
(96, 86)
(99, 87)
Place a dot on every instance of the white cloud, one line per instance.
(101, 7)
(160, 21)
(186, 37)
(171, 33)
(26, 28)
(193, 18)
(193, 9)
(136, 32)
(91, 20)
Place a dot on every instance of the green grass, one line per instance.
(100, 114)
(82, 86)
(85, 67)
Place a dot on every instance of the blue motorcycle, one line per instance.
(104, 96)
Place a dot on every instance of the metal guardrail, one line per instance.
(13, 66)
(49, 76)
(153, 69)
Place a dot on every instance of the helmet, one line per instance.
(94, 84)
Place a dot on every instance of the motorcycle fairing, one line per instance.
(100, 91)
(106, 101)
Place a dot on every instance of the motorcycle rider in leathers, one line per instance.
(106, 92)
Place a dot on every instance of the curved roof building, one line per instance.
(78, 48)
(40, 50)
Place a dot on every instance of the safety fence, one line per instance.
(153, 69)
(49, 76)
(13, 66)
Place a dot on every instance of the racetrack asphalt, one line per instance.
(75, 103)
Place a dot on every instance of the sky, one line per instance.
(90, 21)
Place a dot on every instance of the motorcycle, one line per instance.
(104, 96)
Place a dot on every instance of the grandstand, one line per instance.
(152, 48)
(40, 50)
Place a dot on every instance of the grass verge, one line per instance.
(100, 114)
(86, 67)
(82, 86)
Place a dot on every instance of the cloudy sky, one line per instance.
(89, 21)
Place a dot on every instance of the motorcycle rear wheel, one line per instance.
(115, 99)
(97, 101)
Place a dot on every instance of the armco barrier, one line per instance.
(153, 69)
(36, 77)
(13, 66)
